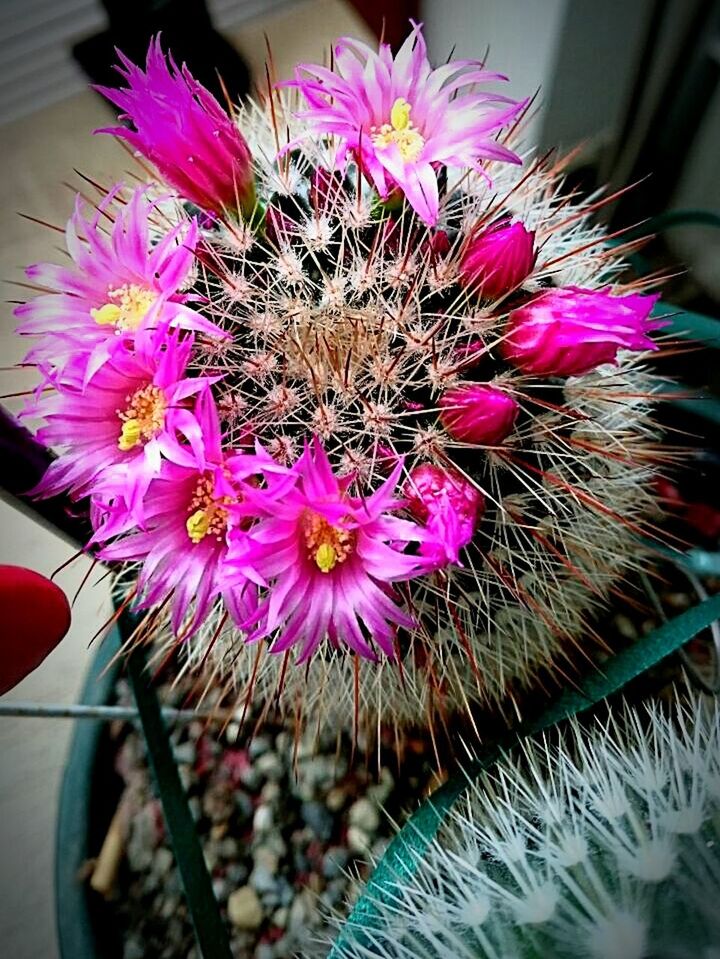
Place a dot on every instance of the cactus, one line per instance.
(603, 844)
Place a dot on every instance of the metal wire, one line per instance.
(105, 713)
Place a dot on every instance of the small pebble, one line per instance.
(162, 861)
(335, 799)
(244, 804)
(266, 858)
(232, 732)
(363, 814)
(244, 909)
(271, 792)
(300, 910)
(195, 807)
(625, 626)
(319, 819)
(270, 766)
(228, 848)
(187, 777)
(185, 753)
(251, 778)
(220, 889)
(262, 879)
(379, 792)
(258, 746)
(358, 840)
(263, 819)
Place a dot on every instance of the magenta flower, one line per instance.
(449, 506)
(183, 547)
(401, 119)
(572, 331)
(478, 413)
(133, 412)
(121, 281)
(182, 129)
(329, 559)
(497, 260)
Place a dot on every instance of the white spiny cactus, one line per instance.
(604, 845)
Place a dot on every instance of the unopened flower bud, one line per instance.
(572, 331)
(478, 413)
(177, 124)
(497, 260)
(449, 506)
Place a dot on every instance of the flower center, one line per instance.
(126, 307)
(326, 545)
(400, 131)
(143, 417)
(207, 514)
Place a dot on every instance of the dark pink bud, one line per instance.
(179, 126)
(469, 354)
(498, 259)
(572, 331)
(448, 505)
(478, 413)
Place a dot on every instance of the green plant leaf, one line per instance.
(204, 911)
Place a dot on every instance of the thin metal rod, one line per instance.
(108, 713)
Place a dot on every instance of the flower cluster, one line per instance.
(348, 381)
(604, 847)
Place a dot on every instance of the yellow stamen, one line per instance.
(108, 315)
(400, 114)
(198, 524)
(126, 307)
(325, 557)
(129, 435)
(327, 545)
(400, 131)
(208, 513)
(143, 417)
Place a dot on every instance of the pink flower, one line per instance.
(329, 559)
(449, 506)
(401, 119)
(478, 413)
(497, 260)
(182, 129)
(572, 331)
(188, 511)
(133, 412)
(120, 282)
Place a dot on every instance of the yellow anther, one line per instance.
(400, 114)
(198, 524)
(326, 557)
(143, 417)
(126, 307)
(401, 131)
(208, 513)
(108, 315)
(130, 434)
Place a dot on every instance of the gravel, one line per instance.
(284, 826)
